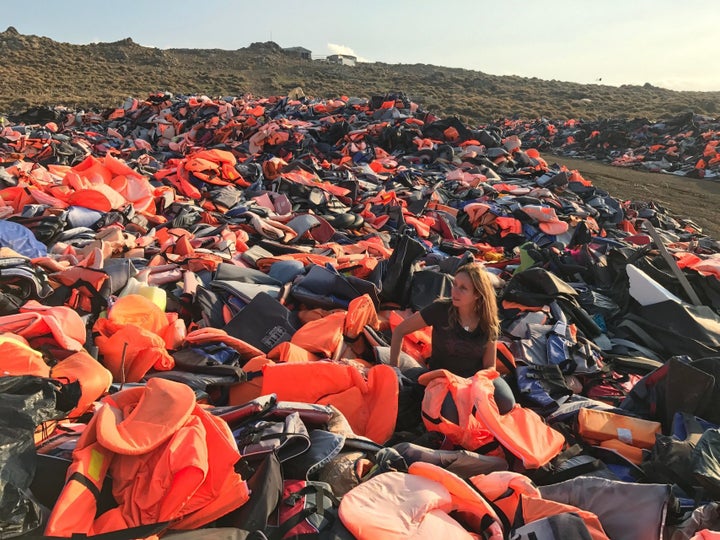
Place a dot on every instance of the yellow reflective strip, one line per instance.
(96, 465)
(9, 339)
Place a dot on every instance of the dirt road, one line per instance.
(698, 200)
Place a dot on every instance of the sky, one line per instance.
(668, 43)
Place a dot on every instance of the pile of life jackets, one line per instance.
(684, 145)
(196, 296)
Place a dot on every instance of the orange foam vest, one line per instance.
(369, 405)
(521, 431)
(169, 460)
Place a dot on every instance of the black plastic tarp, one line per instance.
(25, 403)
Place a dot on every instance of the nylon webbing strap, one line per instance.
(87, 484)
(502, 352)
(495, 508)
(319, 508)
(430, 419)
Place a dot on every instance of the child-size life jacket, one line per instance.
(464, 410)
(169, 460)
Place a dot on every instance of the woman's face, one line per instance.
(463, 293)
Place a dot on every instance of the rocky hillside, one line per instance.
(39, 71)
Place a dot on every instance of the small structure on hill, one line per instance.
(342, 59)
(301, 52)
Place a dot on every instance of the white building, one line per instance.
(342, 59)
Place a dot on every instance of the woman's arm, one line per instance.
(408, 326)
(490, 355)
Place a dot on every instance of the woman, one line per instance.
(465, 329)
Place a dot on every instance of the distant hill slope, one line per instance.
(39, 71)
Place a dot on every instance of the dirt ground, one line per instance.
(698, 200)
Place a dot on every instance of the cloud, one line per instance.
(334, 48)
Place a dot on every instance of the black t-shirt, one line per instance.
(453, 348)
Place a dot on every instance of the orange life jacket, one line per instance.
(94, 379)
(626, 435)
(370, 405)
(520, 502)
(131, 338)
(505, 359)
(53, 326)
(19, 358)
(361, 312)
(130, 351)
(521, 431)
(169, 460)
(85, 284)
(290, 352)
(322, 336)
(243, 392)
(706, 534)
(417, 344)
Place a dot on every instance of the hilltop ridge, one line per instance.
(40, 71)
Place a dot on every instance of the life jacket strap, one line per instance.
(85, 482)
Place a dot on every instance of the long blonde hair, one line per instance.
(486, 306)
